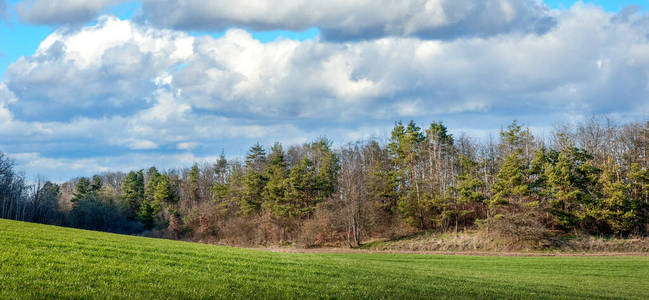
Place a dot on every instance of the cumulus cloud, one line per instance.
(581, 66)
(119, 67)
(120, 87)
(6, 97)
(353, 20)
(56, 12)
(101, 70)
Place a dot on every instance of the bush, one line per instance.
(517, 229)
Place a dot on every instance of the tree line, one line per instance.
(589, 179)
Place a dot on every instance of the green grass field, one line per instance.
(38, 261)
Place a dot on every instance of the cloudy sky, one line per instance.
(88, 86)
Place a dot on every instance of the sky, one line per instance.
(114, 85)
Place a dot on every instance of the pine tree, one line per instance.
(639, 179)
(256, 158)
(639, 184)
(82, 189)
(326, 178)
(254, 181)
(511, 185)
(405, 148)
(566, 186)
(149, 208)
(152, 177)
(220, 191)
(468, 189)
(300, 197)
(133, 190)
(147, 214)
(382, 186)
(614, 211)
(277, 174)
(252, 193)
(514, 139)
(96, 184)
(543, 158)
(164, 192)
(194, 183)
(83, 186)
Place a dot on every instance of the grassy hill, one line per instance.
(38, 261)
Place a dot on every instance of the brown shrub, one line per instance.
(518, 228)
(325, 228)
(175, 228)
(204, 224)
(238, 231)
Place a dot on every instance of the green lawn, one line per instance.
(38, 261)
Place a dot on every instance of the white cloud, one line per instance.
(337, 19)
(48, 12)
(186, 145)
(142, 145)
(352, 20)
(96, 71)
(121, 67)
(6, 96)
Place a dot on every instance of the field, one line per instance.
(38, 261)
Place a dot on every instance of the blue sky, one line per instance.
(119, 85)
(610, 5)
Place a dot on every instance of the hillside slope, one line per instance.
(38, 261)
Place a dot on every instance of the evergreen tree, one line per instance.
(220, 191)
(194, 183)
(510, 185)
(133, 190)
(639, 179)
(96, 184)
(468, 190)
(514, 139)
(86, 191)
(383, 185)
(82, 189)
(152, 177)
(300, 198)
(326, 179)
(256, 158)
(639, 185)
(543, 158)
(164, 192)
(614, 212)
(147, 214)
(252, 193)
(254, 182)
(150, 208)
(276, 173)
(405, 147)
(568, 180)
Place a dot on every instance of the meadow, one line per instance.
(40, 261)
